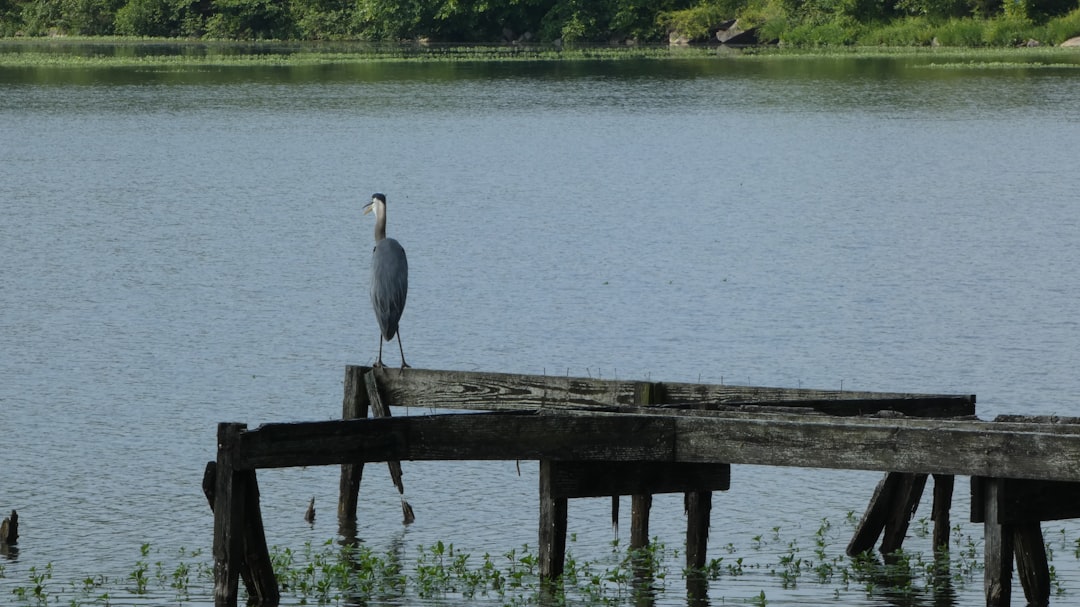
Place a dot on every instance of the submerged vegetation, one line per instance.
(765, 570)
(621, 22)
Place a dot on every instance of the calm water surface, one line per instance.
(184, 247)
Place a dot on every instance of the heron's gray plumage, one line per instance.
(389, 285)
(389, 278)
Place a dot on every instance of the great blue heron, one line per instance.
(389, 278)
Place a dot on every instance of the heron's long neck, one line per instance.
(380, 226)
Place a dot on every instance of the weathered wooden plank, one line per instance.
(902, 445)
(464, 390)
(379, 408)
(901, 510)
(491, 436)
(873, 520)
(433, 389)
(1031, 565)
(598, 479)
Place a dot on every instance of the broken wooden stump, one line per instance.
(891, 508)
(9, 529)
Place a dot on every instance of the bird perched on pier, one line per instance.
(389, 279)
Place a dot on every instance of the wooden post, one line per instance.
(640, 505)
(889, 512)
(9, 529)
(1031, 564)
(698, 509)
(228, 519)
(901, 510)
(380, 409)
(645, 394)
(943, 491)
(239, 538)
(552, 524)
(998, 550)
(353, 406)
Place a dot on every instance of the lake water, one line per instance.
(183, 247)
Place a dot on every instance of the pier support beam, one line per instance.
(698, 511)
(239, 539)
(353, 406)
(1011, 511)
(552, 524)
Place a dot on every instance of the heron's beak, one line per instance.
(369, 207)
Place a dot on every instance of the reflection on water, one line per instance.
(184, 247)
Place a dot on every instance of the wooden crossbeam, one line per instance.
(965, 448)
(462, 390)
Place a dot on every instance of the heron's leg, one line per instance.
(404, 365)
(378, 364)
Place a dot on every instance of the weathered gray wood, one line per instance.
(379, 408)
(1031, 565)
(943, 491)
(903, 506)
(228, 518)
(997, 551)
(504, 391)
(645, 394)
(354, 405)
(552, 525)
(493, 436)
(263, 588)
(252, 558)
(698, 511)
(876, 516)
(9, 529)
(903, 445)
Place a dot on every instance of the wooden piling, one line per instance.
(228, 519)
(645, 394)
(552, 524)
(943, 491)
(1031, 564)
(905, 501)
(998, 548)
(9, 529)
(353, 406)
(240, 549)
(698, 511)
(1011, 511)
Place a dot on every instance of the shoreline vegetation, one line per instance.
(764, 568)
(559, 24)
(81, 52)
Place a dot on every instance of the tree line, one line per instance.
(490, 21)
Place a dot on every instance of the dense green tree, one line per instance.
(571, 21)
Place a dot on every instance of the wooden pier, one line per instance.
(597, 437)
